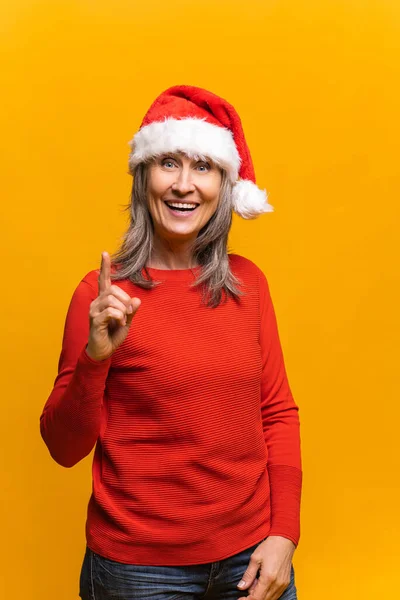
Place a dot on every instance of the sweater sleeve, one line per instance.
(280, 424)
(71, 419)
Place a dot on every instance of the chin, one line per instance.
(182, 231)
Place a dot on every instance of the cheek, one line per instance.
(211, 192)
(158, 183)
(154, 190)
(213, 204)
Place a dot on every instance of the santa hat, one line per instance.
(200, 124)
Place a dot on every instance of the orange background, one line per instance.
(317, 87)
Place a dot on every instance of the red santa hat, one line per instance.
(200, 124)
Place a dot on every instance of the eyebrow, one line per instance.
(177, 156)
(169, 154)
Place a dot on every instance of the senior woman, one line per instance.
(172, 368)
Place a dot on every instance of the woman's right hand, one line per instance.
(110, 315)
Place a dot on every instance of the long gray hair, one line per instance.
(209, 249)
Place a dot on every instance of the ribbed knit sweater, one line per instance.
(196, 432)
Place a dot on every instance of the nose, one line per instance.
(183, 183)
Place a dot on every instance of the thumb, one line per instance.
(135, 303)
(249, 575)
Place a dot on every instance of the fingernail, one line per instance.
(130, 309)
(242, 583)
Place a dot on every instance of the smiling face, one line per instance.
(183, 194)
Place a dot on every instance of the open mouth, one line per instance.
(182, 207)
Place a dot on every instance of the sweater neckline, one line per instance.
(173, 274)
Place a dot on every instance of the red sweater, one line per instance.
(196, 431)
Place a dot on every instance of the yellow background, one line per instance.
(317, 87)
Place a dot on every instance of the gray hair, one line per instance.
(209, 249)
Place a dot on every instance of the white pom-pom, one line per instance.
(249, 201)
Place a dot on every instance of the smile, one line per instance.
(181, 208)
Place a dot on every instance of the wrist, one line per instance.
(283, 541)
(93, 356)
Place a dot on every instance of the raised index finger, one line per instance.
(105, 272)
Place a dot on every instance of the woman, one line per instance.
(178, 380)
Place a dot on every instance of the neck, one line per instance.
(171, 254)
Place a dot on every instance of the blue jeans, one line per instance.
(104, 579)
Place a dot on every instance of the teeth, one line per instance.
(181, 205)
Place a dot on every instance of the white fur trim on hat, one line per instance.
(249, 201)
(194, 137)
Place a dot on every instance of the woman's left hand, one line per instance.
(273, 557)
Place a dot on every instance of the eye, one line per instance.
(168, 163)
(203, 167)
